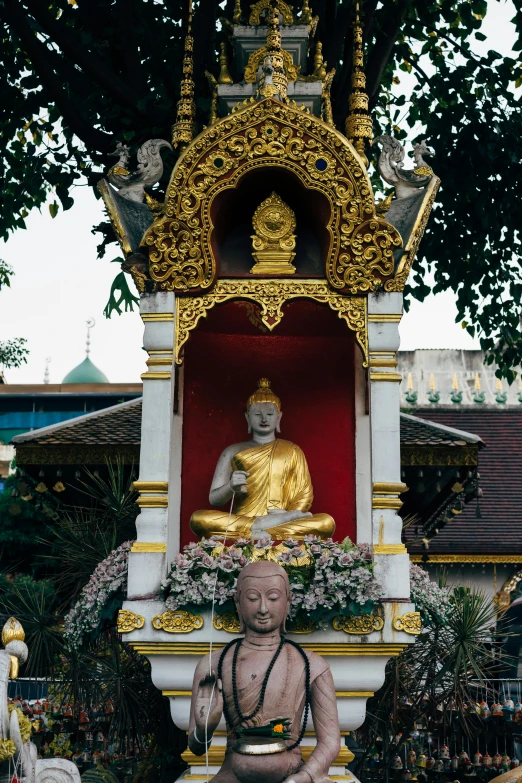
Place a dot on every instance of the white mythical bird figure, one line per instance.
(391, 162)
(132, 184)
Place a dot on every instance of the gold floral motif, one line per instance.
(398, 282)
(256, 9)
(358, 625)
(409, 623)
(128, 621)
(301, 626)
(270, 295)
(228, 622)
(359, 250)
(177, 622)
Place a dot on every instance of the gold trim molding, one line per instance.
(386, 318)
(156, 376)
(383, 361)
(216, 756)
(159, 361)
(270, 296)
(377, 649)
(393, 503)
(388, 487)
(177, 622)
(151, 486)
(389, 549)
(391, 377)
(148, 317)
(507, 559)
(148, 501)
(148, 546)
(128, 621)
(359, 625)
(409, 623)
(339, 694)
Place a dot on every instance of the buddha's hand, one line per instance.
(209, 701)
(275, 517)
(238, 482)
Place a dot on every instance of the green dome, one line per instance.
(86, 372)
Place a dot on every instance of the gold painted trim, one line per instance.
(388, 487)
(216, 756)
(148, 546)
(439, 455)
(389, 549)
(354, 694)
(157, 317)
(339, 694)
(391, 377)
(179, 693)
(151, 486)
(158, 361)
(378, 649)
(386, 318)
(271, 296)
(148, 501)
(128, 621)
(161, 352)
(408, 623)
(179, 621)
(156, 376)
(383, 361)
(393, 503)
(466, 558)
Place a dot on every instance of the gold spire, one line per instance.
(306, 14)
(184, 129)
(224, 74)
(358, 122)
(236, 17)
(274, 82)
(319, 63)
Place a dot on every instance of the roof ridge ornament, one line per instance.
(184, 129)
(359, 127)
(256, 9)
(274, 81)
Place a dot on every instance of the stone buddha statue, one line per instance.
(268, 480)
(265, 685)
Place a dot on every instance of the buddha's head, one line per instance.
(263, 597)
(263, 412)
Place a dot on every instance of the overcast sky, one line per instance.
(59, 284)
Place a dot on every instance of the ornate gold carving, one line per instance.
(274, 241)
(106, 194)
(12, 631)
(358, 625)
(398, 282)
(359, 251)
(439, 455)
(409, 623)
(389, 549)
(257, 57)
(510, 559)
(270, 295)
(359, 127)
(184, 129)
(503, 597)
(148, 546)
(228, 622)
(177, 622)
(128, 621)
(213, 85)
(301, 626)
(256, 9)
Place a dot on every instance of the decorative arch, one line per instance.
(260, 134)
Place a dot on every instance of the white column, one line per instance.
(147, 560)
(390, 555)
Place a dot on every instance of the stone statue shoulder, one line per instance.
(318, 665)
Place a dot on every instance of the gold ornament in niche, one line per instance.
(179, 621)
(358, 625)
(128, 621)
(409, 623)
(274, 241)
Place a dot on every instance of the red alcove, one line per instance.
(309, 359)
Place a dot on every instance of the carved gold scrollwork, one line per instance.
(409, 623)
(179, 621)
(360, 625)
(128, 621)
(271, 295)
(256, 9)
(360, 246)
(228, 622)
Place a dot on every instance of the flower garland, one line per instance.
(88, 613)
(427, 596)
(326, 578)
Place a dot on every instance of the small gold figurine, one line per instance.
(274, 241)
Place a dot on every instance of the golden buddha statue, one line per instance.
(268, 479)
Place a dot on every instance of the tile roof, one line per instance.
(499, 530)
(420, 432)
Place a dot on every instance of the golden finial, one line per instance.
(224, 75)
(274, 82)
(455, 384)
(477, 381)
(212, 83)
(264, 393)
(319, 64)
(12, 631)
(359, 127)
(236, 16)
(306, 14)
(326, 99)
(432, 382)
(184, 129)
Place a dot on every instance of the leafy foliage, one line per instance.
(81, 75)
(13, 353)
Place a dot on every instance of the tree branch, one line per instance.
(383, 47)
(38, 54)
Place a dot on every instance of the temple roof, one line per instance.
(497, 527)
